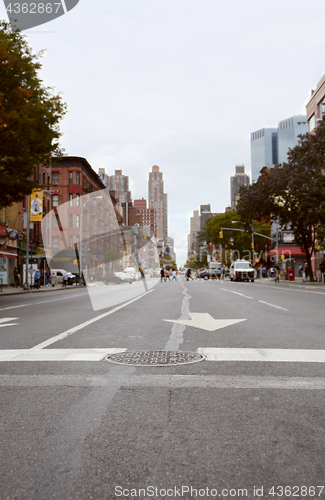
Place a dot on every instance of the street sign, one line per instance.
(36, 205)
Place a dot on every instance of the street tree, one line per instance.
(293, 193)
(29, 117)
(228, 231)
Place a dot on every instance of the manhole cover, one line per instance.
(155, 358)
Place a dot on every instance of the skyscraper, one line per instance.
(237, 180)
(264, 150)
(288, 131)
(158, 201)
(269, 146)
(120, 184)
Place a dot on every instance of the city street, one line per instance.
(246, 422)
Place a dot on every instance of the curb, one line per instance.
(23, 292)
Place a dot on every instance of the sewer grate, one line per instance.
(155, 358)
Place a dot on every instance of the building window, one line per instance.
(55, 200)
(55, 242)
(55, 178)
(77, 177)
(44, 178)
(78, 221)
(70, 177)
(78, 200)
(70, 220)
(70, 200)
(311, 123)
(70, 241)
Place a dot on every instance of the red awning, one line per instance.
(8, 255)
(287, 252)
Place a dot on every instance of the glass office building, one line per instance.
(288, 131)
(264, 150)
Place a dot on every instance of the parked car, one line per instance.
(242, 270)
(57, 276)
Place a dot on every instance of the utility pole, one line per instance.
(27, 242)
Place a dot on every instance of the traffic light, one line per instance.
(220, 234)
(252, 245)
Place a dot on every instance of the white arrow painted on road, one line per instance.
(3, 322)
(205, 321)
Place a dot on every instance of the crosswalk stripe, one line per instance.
(57, 354)
(266, 355)
(167, 381)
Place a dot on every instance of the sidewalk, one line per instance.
(10, 290)
(296, 281)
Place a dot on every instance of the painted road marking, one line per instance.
(57, 354)
(4, 322)
(65, 334)
(169, 381)
(236, 293)
(276, 355)
(273, 305)
(205, 321)
(42, 301)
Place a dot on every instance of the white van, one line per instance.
(57, 276)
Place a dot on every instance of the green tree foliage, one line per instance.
(293, 193)
(238, 235)
(29, 116)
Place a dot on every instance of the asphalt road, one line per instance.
(247, 422)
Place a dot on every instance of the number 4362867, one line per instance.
(33, 8)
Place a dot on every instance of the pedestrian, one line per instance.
(141, 272)
(306, 270)
(188, 274)
(322, 267)
(264, 272)
(276, 273)
(174, 275)
(65, 279)
(167, 275)
(300, 270)
(36, 278)
(48, 277)
(16, 277)
(162, 274)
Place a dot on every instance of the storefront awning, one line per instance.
(8, 255)
(287, 252)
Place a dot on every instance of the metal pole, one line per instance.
(27, 242)
(277, 242)
(80, 250)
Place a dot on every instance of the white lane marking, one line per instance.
(273, 305)
(291, 288)
(57, 354)
(237, 293)
(42, 302)
(5, 320)
(205, 321)
(276, 355)
(65, 334)
(168, 381)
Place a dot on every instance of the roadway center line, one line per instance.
(41, 302)
(237, 293)
(65, 334)
(273, 305)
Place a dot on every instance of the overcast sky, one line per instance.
(180, 84)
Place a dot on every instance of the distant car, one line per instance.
(242, 270)
(117, 278)
(214, 273)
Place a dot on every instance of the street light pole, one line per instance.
(27, 242)
(80, 236)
